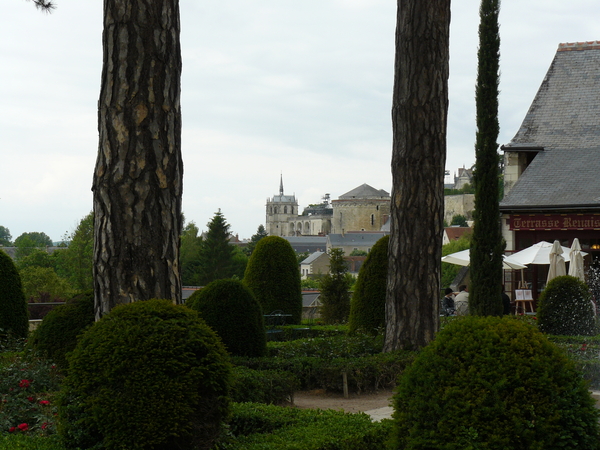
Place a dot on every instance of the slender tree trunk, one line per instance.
(139, 171)
(487, 245)
(419, 112)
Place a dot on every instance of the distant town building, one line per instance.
(361, 209)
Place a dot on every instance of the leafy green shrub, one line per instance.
(27, 387)
(335, 289)
(367, 308)
(13, 307)
(268, 427)
(319, 363)
(263, 386)
(273, 277)
(494, 383)
(231, 310)
(565, 308)
(57, 334)
(149, 375)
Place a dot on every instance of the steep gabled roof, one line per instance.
(566, 110)
(560, 178)
(563, 126)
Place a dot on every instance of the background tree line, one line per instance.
(59, 274)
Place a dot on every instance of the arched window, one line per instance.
(372, 219)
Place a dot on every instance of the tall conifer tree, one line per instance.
(487, 245)
(216, 254)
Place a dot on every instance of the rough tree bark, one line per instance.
(138, 177)
(419, 112)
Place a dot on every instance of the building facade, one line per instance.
(552, 165)
(362, 209)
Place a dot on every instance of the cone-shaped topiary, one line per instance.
(231, 310)
(273, 277)
(493, 383)
(14, 316)
(149, 375)
(565, 308)
(57, 334)
(367, 308)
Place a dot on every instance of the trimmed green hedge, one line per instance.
(367, 308)
(148, 375)
(493, 383)
(57, 334)
(14, 316)
(273, 277)
(267, 427)
(565, 308)
(263, 386)
(231, 310)
(364, 374)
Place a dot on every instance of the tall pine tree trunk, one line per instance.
(419, 112)
(487, 245)
(139, 171)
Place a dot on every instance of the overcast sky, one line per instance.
(269, 87)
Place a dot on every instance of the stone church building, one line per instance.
(361, 209)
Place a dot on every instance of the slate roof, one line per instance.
(366, 239)
(563, 126)
(364, 191)
(312, 257)
(307, 243)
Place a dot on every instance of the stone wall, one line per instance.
(459, 205)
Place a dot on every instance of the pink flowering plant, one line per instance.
(27, 388)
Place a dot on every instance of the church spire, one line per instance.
(281, 185)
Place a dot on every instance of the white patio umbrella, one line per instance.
(576, 264)
(462, 258)
(557, 262)
(539, 254)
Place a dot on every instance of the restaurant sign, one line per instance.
(555, 222)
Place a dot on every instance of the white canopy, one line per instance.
(539, 254)
(557, 262)
(576, 265)
(462, 258)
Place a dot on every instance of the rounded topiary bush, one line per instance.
(149, 375)
(565, 308)
(273, 277)
(14, 317)
(367, 308)
(231, 310)
(57, 334)
(493, 383)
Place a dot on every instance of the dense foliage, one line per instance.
(493, 383)
(487, 245)
(260, 233)
(14, 317)
(267, 427)
(189, 255)
(367, 309)
(335, 289)
(219, 259)
(273, 277)
(318, 363)
(149, 375)
(565, 308)
(27, 387)
(263, 386)
(57, 334)
(231, 310)
(450, 271)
